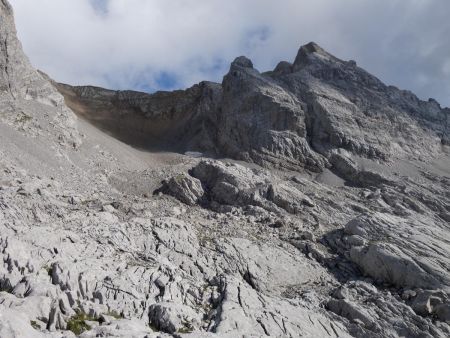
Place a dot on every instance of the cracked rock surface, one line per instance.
(309, 201)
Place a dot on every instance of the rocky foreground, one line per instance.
(312, 201)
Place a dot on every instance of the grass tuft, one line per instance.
(187, 327)
(23, 118)
(77, 324)
(35, 325)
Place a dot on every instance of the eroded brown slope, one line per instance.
(160, 121)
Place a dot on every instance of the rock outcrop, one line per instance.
(17, 77)
(263, 122)
(217, 185)
(21, 84)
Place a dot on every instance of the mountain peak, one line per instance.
(306, 52)
(242, 61)
(312, 47)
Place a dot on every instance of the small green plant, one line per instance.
(23, 118)
(187, 327)
(77, 324)
(49, 269)
(179, 178)
(35, 325)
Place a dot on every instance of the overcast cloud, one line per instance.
(166, 44)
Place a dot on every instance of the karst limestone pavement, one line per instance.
(312, 201)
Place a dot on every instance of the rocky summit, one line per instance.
(309, 201)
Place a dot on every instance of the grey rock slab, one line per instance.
(16, 324)
(402, 261)
(268, 268)
(255, 316)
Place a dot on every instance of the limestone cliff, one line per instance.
(295, 116)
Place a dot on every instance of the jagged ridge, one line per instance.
(295, 116)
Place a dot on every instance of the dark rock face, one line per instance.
(163, 120)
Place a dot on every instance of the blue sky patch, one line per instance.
(100, 6)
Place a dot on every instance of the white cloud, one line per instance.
(176, 43)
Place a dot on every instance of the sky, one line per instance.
(154, 45)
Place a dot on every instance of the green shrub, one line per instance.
(35, 325)
(77, 324)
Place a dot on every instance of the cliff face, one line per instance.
(17, 77)
(164, 121)
(349, 108)
(28, 96)
(295, 116)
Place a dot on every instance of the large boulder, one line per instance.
(185, 188)
(232, 184)
(172, 318)
(213, 182)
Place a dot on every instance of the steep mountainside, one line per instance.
(160, 121)
(294, 116)
(331, 217)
